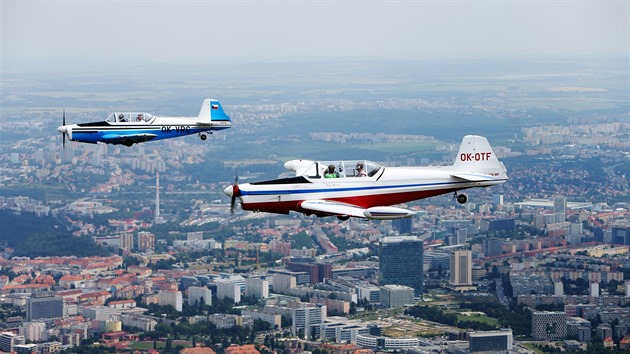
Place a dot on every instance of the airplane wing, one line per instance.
(334, 208)
(473, 177)
(122, 139)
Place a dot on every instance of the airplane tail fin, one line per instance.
(211, 111)
(476, 156)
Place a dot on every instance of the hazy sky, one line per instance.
(52, 34)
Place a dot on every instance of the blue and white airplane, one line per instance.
(127, 128)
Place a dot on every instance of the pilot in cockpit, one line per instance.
(360, 170)
(121, 118)
(140, 117)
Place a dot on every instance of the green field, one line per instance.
(146, 345)
(477, 318)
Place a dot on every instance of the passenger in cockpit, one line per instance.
(330, 172)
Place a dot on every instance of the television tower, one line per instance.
(157, 219)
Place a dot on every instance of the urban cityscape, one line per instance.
(108, 248)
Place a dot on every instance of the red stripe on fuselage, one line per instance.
(272, 207)
(363, 201)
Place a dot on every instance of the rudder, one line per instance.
(211, 111)
(476, 155)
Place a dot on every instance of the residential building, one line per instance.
(171, 297)
(307, 320)
(271, 318)
(100, 313)
(229, 290)
(146, 241)
(142, 322)
(126, 241)
(34, 331)
(283, 283)
(257, 287)
(492, 246)
(198, 295)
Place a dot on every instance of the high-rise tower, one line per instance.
(461, 268)
(560, 208)
(401, 262)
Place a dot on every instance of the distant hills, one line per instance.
(33, 236)
(450, 125)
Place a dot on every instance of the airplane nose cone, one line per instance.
(62, 129)
(229, 190)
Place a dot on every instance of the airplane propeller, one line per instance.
(62, 129)
(64, 124)
(235, 193)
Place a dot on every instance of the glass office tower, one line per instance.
(400, 262)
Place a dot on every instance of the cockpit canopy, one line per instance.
(130, 117)
(343, 169)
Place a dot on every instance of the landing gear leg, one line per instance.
(461, 198)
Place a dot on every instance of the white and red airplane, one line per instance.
(370, 194)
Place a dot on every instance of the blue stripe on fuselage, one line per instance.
(96, 134)
(351, 189)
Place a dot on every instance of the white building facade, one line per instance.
(170, 297)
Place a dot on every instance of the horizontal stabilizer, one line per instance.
(473, 177)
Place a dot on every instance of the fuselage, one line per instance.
(128, 128)
(388, 186)
(364, 189)
(157, 128)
